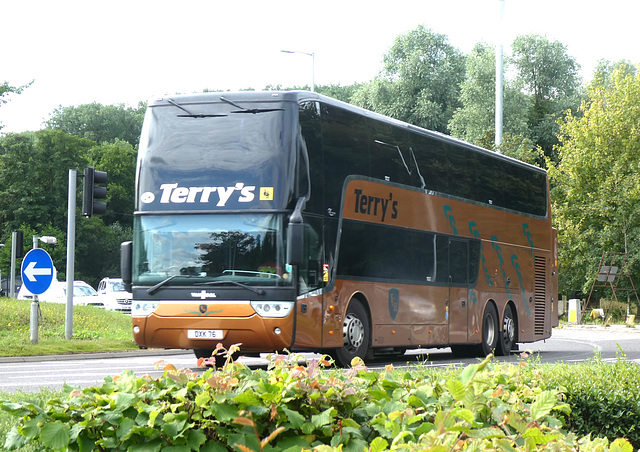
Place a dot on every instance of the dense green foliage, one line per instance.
(596, 192)
(420, 82)
(291, 407)
(604, 397)
(100, 123)
(34, 176)
(7, 421)
(94, 329)
(549, 75)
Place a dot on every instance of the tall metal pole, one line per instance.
(313, 72)
(12, 276)
(499, 77)
(313, 65)
(35, 307)
(71, 248)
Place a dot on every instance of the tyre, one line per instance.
(508, 333)
(356, 334)
(490, 331)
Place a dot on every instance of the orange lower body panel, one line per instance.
(256, 334)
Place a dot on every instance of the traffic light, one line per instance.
(93, 191)
(19, 243)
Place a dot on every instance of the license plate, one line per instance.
(204, 334)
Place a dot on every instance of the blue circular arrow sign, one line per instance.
(37, 271)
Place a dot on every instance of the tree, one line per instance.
(98, 249)
(34, 168)
(420, 82)
(474, 121)
(118, 159)
(604, 70)
(545, 71)
(596, 194)
(100, 123)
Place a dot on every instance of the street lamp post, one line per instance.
(313, 66)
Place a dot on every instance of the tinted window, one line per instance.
(371, 251)
(392, 157)
(345, 143)
(459, 261)
(310, 152)
(357, 145)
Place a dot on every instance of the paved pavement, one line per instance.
(596, 329)
(618, 328)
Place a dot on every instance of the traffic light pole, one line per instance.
(12, 277)
(71, 251)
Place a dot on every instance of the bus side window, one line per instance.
(442, 259)
(458, 261)
(474, 261)
(310, 273)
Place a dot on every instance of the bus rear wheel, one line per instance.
(356, 334)
(508, 333)
(490, 331)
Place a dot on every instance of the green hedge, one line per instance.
(604, 397)
(291, 407)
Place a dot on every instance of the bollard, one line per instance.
(34, 320)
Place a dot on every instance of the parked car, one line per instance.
(83, 294)
(112, 294)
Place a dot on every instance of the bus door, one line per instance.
(312, 277)
(458, 300)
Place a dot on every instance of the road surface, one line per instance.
(569, 344)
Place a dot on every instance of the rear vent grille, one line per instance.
(540, 294)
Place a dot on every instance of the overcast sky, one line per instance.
(129, 51)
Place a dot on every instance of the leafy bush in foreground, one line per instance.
(604, 397)
(292, 407)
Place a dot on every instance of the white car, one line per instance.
(83, 294)
(112, 294)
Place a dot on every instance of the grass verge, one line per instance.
(94, 330)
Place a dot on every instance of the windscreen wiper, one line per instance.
(189, 114)
(249, 110)
(244, 286)
(154, 289)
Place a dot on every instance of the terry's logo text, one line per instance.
(372, 205)
(174, 194)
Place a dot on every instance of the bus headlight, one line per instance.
(143, 308)
(272, 309)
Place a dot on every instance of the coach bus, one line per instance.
(290, 220)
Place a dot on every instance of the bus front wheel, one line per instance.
(356, 333)
(490, 330)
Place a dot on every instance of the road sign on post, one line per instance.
(37, 271)
(37, 275)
